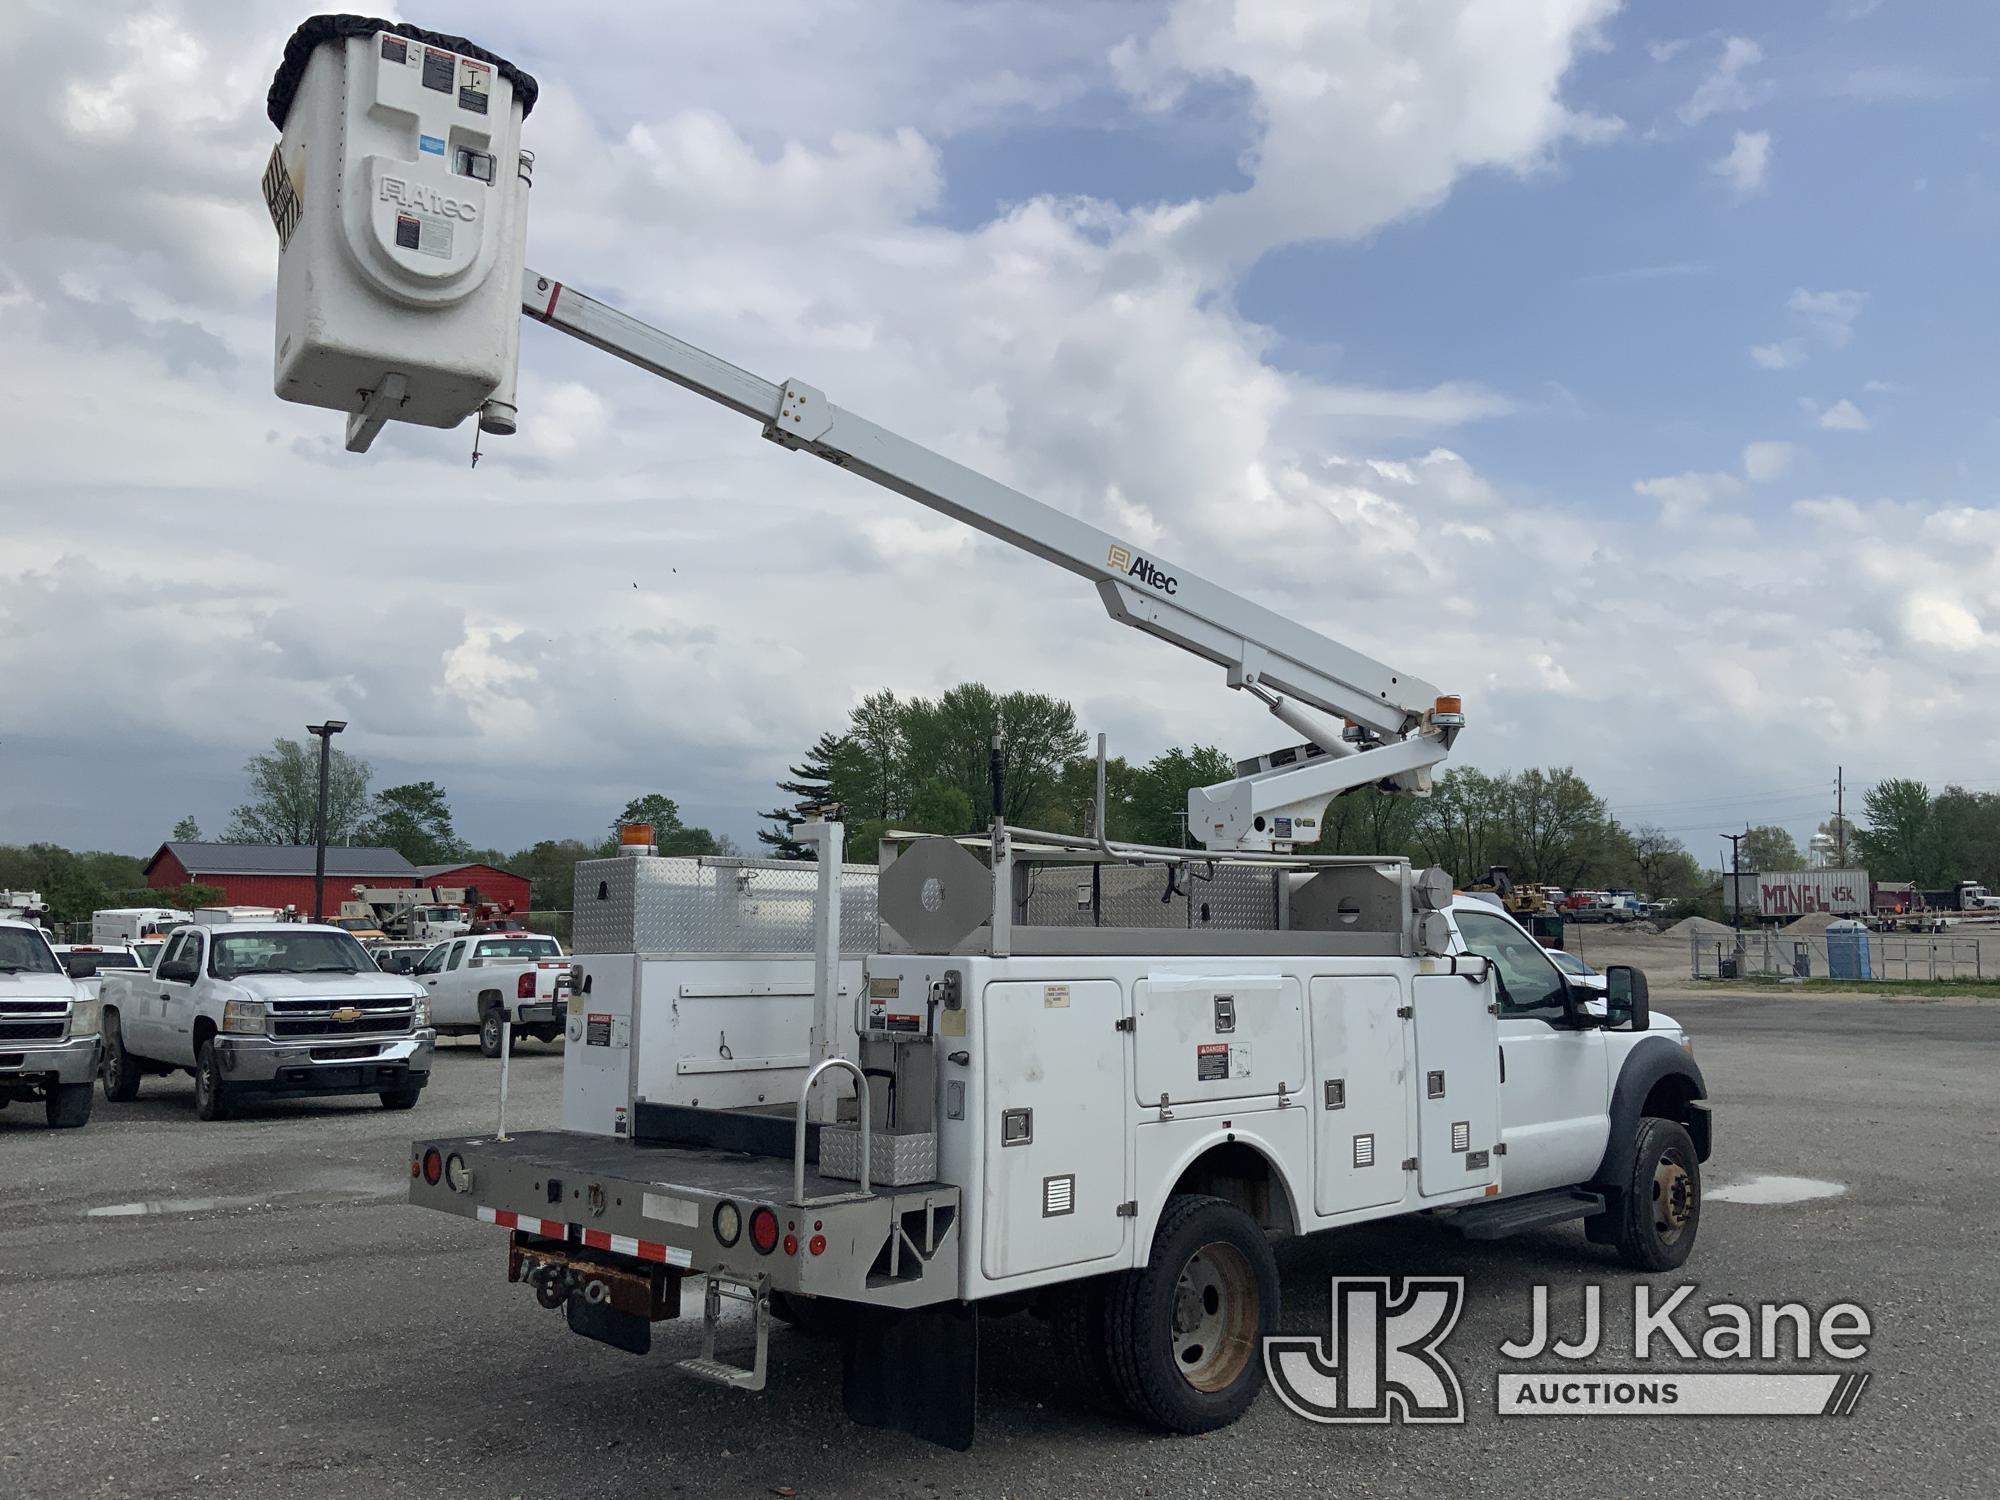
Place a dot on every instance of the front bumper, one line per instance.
(266, 1065)
(73, 1061)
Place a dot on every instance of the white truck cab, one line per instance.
(48, 1028)
(265, 1008)
(482, 982)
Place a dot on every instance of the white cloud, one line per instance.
(1883, 386)
(1844, 416)
(1726, 89)
(1747, 166)
(1668, 49)
(1785, 354)
(1682, 497)
(1765, 461)
(1828, 316)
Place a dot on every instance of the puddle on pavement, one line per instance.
(167, 1206)
(1775, 1190)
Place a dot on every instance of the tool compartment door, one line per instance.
(1055, 1126)
(1217, 1037)
(1457, 1083)
(1359, 1094)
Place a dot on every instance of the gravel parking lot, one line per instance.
(249, 1308)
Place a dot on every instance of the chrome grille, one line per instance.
(39, 1020)
(316, 1018)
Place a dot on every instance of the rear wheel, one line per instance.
(68, 1105)
(120, 1072)
(1082, 1347)
(1186, 1330)
(211, 1099)
(491, 1034)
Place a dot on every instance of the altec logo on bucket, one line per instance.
(1125, 560)
(1384, 1360)
(414, 195)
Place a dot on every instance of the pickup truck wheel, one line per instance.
(1658, 1213)
(120, 1072)
(211, 1102)
(405, 1097)
(490, 1034)
(1185, 1332)
(68, 1105)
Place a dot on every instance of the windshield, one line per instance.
(25, 952)
(235, 953)
(81, 964)
(1570, 962)
(147, 952)
(518, 947)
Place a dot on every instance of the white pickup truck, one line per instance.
(479, 982)
(48, 1030)
(266, 1008)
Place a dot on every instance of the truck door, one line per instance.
(171, 1030)
(1457, 1084)
(1555, 1097)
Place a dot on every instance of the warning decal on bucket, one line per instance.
(1211, 1062)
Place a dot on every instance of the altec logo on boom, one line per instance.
(414, 195)
(1125, 560)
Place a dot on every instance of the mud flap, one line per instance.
(915, 1371)
(603, 1322)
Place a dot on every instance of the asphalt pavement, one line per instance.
(249, 1307)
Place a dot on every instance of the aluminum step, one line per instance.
(1504, 1216)
(717, 1288)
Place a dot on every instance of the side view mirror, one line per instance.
(1625, 998)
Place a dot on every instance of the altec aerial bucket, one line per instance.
(399, 191)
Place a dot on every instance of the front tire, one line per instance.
(68, 1105)
(120, 1073)
(405, 1097)
(1656, 1215)
(1186, 1330)
(211, 1099)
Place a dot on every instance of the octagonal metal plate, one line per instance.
(935, 894)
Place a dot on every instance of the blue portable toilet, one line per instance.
(1847, 950)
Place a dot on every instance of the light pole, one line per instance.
(324, 733)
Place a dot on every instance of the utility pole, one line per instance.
(1736, 877)
(1840, 817)
(324, 733)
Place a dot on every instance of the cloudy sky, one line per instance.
(1627, 370)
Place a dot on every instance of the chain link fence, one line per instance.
(1779, 955)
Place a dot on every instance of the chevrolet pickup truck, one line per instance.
(266, 1008)
(48, 1031)
(478, 983)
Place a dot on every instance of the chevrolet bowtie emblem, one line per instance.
(347, 1013)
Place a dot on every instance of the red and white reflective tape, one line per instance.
(624, 1244)
(595, 1239)
(551, 1229)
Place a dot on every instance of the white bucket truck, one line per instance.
(1092, 1077)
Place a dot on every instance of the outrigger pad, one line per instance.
(914, 1371)
(603, 1322)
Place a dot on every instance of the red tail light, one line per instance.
(764, 1231)
(524, 987)
(433, 1166)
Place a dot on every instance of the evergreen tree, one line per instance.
(811, 782)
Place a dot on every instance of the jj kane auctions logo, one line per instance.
(1125, 560)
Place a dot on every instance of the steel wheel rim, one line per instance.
(114, 1056)
(204, 1076)
(1675, 1195)
(1214, 1318)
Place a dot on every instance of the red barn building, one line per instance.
(277, 874)
(497, 887)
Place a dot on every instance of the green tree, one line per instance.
(871, 776)
(1553, 830)
(284, 796)
(811, 782)
(180, 897)
(951, 738)
(1075, 803)
(550, 870)
(940, 807)
(187, 831)
(1843, 839)
(415, 821)
(1901, 839)
(1160, 790)
(1769, 847)
(1457, 826)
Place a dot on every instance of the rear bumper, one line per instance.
(896, 1247)
(537, 1013)
(73, 1061)
(266, 1065)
